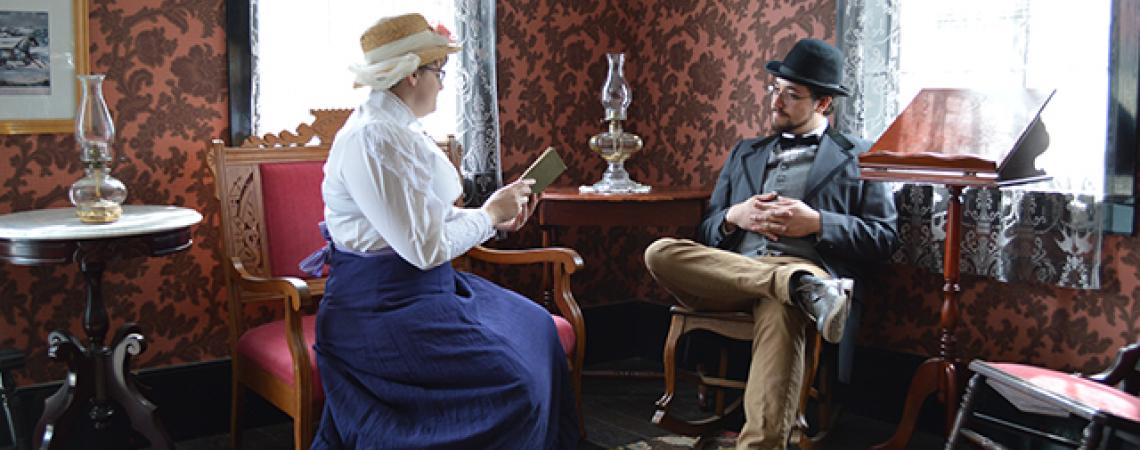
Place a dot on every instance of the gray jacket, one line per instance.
(858, 218)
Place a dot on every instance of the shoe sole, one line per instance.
(836, 319)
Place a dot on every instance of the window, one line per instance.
(304, 48)
(995, 44)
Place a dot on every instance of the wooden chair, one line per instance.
(1037, 407)
(269, 189)
(739, 326)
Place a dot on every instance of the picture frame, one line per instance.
(43, 46)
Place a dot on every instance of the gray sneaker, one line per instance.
(827, 302)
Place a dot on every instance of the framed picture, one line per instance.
(43, 46)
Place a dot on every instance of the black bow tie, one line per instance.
(793, 141)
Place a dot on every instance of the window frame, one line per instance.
(1123, 100)
(240, 68)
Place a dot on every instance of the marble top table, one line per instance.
(99, 381)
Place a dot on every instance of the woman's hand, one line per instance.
(525, 212)
(511, 205)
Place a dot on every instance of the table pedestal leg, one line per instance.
(143, 413)
(98, 375)
(92, 371)
(61, 410)
(938, 374)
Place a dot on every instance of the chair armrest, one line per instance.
(563, 262)
(293, 289)
(1123, 369)
(569, 259)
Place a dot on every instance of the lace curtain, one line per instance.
(477, 105)
(1011, 235)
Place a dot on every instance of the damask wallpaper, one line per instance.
(166, 87)
(696, 70)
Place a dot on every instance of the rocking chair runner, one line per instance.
(269, 188)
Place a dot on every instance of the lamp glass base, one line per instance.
(615, 181)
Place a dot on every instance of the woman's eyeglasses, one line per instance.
(439, 72)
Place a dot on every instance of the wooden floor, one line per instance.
(618, 411)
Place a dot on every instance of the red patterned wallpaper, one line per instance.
(696, 70)
(1065, 329)
(166, 87)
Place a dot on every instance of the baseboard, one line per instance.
(193, 400)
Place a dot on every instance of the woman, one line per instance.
(413, 354)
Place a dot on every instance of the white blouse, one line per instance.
(387, 184)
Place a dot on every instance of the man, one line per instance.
(789, 224)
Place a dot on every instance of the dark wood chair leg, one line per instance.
(237, 404)
(661, 416)
(963, 413)
(669, 359)
(1093, 433)
(10, 360)
(827, 412)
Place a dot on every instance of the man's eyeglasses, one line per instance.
(786, 94)
(439, 72)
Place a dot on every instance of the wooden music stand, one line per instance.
(957, 138)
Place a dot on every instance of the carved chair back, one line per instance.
(269, 189)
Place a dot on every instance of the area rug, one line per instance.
(725, 441)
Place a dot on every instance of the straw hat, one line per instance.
(394, 47)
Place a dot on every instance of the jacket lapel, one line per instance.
(829, 160)
(755, 161)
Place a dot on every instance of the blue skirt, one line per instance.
(437, 359)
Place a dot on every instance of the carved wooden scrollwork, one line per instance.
(325, 124)
(245, 230)
(240, 186)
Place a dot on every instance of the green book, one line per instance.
(544, 169)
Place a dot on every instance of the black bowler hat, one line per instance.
(815, 63)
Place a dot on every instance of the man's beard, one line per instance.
(783, 123)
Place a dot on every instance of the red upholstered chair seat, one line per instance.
(264, 346)
(1081, 390)
(565, 334)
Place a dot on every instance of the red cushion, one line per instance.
(265, 347)
(565, 334)
(291, 196)
(1081, 390)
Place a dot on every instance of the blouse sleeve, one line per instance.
(391, 184)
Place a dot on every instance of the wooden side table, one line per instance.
(98, 375)
(565, 207)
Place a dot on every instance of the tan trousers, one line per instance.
(711, 279)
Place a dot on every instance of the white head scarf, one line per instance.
(386, 65)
